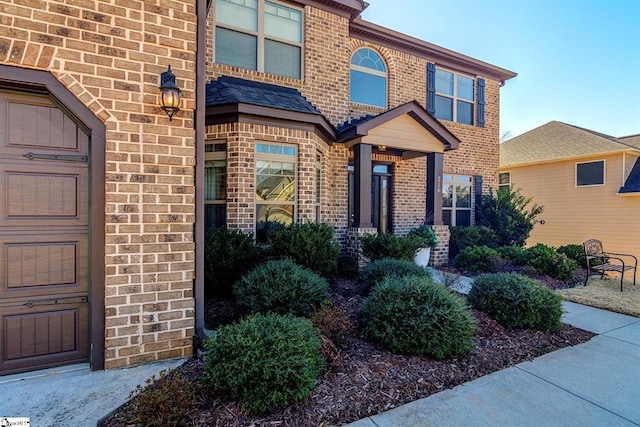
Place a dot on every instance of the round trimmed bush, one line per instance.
(268, 361)
(574, 252)
(282, 287)
(464, 237)
(515, 254)
(481, 259)
(388, 245)
(413, 315)
(376, 271)
(546, 260)
(516, 301)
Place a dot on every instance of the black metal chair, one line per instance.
(600, 261)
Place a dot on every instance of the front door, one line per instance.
(44, 233)
(380, 197)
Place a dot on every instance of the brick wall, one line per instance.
(110, 54)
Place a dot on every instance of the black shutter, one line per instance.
(480, 102)
(431, 88)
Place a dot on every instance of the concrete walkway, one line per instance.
(72, 395)
(592, 384)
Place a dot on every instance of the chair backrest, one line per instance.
(593, 247)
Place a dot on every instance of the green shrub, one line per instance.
(546, 260)
(309, 245)
(426, 235)
(516, 301)
(464, 237)
(506, 212)
(387, 245)
(162, 402)
(333, 322)
(412, 315)
(281, 286)
(228, 254)
(515, 254)
(268, 361)
(378, 270)
(477, 259)
(574, 252)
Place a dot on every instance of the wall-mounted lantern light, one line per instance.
(169, 93)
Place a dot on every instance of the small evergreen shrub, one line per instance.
(281, 286)
(574, 252)
(377, 271)
(387, 245)
(475, 259)
(333, 322)
(268, 361)
(546, 260)
(516, 301)
(308, 244)
(412, 315)
(464, 237)
(425, 234)
(162, 402)
(228, 254)
(515, 254)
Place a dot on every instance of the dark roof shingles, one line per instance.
(632, 185)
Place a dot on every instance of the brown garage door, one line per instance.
(43, 235)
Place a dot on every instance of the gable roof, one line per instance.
(556, 141)
(632, 185)
(631, 140)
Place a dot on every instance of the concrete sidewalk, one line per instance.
(592, 384)
(72, 395)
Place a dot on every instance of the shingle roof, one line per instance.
(632, 140)
(632, 185)
(556, 141)
(232, 90)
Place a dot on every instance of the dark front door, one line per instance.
(44, 233)
(380, 197)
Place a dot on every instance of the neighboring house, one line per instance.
(309, 114)
(588, 183)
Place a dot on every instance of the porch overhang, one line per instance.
(407, 130)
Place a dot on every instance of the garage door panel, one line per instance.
(39, 191)
(41, 265)
(42, 335)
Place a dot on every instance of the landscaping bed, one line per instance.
(361, 379)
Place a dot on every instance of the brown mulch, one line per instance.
(364, 380)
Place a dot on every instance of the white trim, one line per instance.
(371, 71)
(604, 173)
(454, 97)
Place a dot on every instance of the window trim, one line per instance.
(261, 36)
(371, 71)
(453, 208)
(604, 173)
(454, 97)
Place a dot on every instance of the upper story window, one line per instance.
(259, 35)
(590, 173)
(455, 97)
(368, 78)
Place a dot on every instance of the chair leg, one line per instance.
(621, 279)
(586, 278)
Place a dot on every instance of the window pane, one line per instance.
(368, 89)
(444, 108)
(444, 82)
(281, 59)
(268, 216)
(215, 179)
(237, 49)
(463, 197)
(591, 173)
(463, 218)
(215, 215)
(283, 22)
(380, 168)
(446, 216)
(369, 59)
(465, 88)
(505, 178)
(273, 183)
(238, 13)
(447, 196)
(464, 112)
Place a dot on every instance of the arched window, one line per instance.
(368, 78)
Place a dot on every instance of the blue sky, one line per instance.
(578, 61)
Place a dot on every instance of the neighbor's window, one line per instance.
(259, 35)
(504, 181)
(456, 200)
(590, 173)
(368, 83)
(215, 184)
(318, 185)
(275, 186)
(454, 100)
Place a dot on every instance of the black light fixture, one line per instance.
(169, 93)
